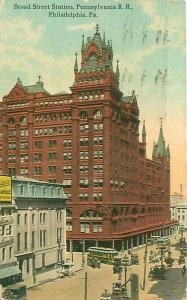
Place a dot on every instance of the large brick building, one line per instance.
(89, 140)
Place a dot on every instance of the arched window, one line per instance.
(44, 217)
(11, 121)
(23, 120)
(18, 219)
(83, 115)
(97, 114)
(25, 219)
(33, 218)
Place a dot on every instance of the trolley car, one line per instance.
(104, 255)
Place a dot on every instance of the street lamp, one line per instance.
(59, 249)
(125, 283)
(83, 251)
(33, 264)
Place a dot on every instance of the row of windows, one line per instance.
(22, 120)
(53, 118)
(86, 227)
(97, 114)
(47, 103)
(52, 156)
(53, 143)
(18, 105)
(12, 132)
(42, 240)
(83, 197)
(53, 130)
(42, 218)
(91, 96)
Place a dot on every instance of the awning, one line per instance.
(10, 271)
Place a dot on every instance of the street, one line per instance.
(172, 288)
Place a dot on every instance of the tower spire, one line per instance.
(144, 134)
(117, 69)
(83, 46)
(97, 29)
(76, 64)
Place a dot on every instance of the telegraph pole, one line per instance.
(85, 286)
(145, 266)
(33, 264)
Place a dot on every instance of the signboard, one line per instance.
(5, 189)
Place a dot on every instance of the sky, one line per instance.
(148, 38)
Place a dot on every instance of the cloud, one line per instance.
(2, 4)
(84, 27)
(18, 28)
(149, 7)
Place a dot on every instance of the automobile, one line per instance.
(15, 291)
(157, 272)
(68, 269)
(134, 259)
(183, 251)
(125, 261)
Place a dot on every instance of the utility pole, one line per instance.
(145, 266)
(85, 286)
(33, 263)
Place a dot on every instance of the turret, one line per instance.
(96, 62)
(160, 151)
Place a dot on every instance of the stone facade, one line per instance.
(9, 271)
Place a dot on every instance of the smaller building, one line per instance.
(39, 225)
(178, 208)
(179, 213)
(9, 271)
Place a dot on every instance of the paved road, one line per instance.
(173, 288)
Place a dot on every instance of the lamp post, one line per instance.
(125, 295)
(145, 266)
(83, 251)
(33, 263)
(59, 249)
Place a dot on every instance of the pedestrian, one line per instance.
(183, 270)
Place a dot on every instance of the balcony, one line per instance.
(6, 240)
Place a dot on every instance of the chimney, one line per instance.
(181, 189)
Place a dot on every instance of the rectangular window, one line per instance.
(10, 252)
(19, 241)
(37, 171)
(52, 156)
(11, 171)
(24, 145)
(41, 238)
(37, 157)
(84, 228)
(33, 240)
(25, 243)
(3, 254)
(52, 143)
(52, 169)
(38, 144)
(97, 227)
(27, 265)
(69, 226)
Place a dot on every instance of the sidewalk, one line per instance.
(46, 277)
